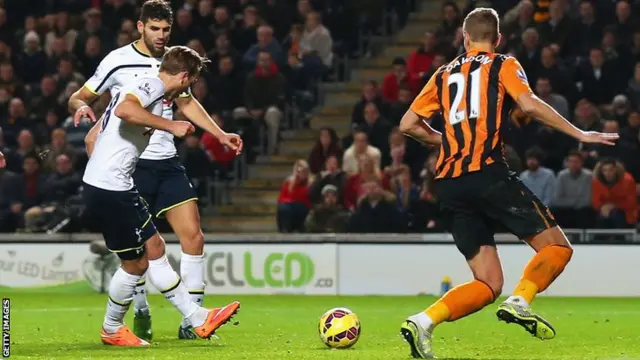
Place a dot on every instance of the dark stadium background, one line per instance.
(583, 57)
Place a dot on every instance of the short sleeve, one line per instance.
(513, 78)
(426, 103)
(102, 79)
(147, 91)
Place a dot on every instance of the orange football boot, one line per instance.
(215, 319)
(122, 337)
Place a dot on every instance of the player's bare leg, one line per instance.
(553, 252)
(457, 303)
(185, 222)
(204, 322)
(114, 331)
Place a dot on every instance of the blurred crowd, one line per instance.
(581, 56)
(267, 57)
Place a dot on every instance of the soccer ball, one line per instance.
(339, 328)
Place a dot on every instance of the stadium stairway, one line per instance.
(255, 200)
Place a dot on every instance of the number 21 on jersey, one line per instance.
(456, 114)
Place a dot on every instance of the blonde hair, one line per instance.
(299, 165)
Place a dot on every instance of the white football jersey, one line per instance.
(126, 64)
(120, 143)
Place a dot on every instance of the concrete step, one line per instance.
(376, 74)
(310, 134)
(234, 224)
(255, 184)
(410, 39)
(342, 98)
(336, 110)
(335, 120)
(270, 171)
(246, 210)
(298, 145)
(270, 200)
(278, 159)
(295, 152)
(426, 15)
(399, 50)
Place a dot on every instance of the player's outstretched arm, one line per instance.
(130, 110)
(414, 126)
(79, 105)
(193, 110)
(543, 112)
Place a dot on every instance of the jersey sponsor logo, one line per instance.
(146, 88)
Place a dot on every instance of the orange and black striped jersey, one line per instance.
(475, 93)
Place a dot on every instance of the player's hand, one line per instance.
(182, 128)
(3, 162)
(233, 141)
(594, 137)
(83, 112)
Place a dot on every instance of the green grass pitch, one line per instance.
(57, 324)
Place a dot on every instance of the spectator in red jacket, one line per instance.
(398, 77)
(614, 196)
(419, 61)
(293, 201)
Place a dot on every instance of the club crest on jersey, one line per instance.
(146, 88)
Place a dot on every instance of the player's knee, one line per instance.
(496, 284)
(136, 266)
(155, 247)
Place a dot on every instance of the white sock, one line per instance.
(424, 321)
(518, 300)
(120, 296)
(165, 279)
(140, 303)
(192, 274)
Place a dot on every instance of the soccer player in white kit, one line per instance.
(114, 203)
(159, 176)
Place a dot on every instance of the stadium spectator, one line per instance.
(625, 23)
(200, 91)
(66, 73)
(115, 11)
(557, 29)
(329, 216)
(614, 196)
(316, 45)
(327, 145)
(528, 53)
(92, 27)
(58, 146)
(425, 213)
(196, 45)
(293, 201)
(398, 77)
(376, 127)
(540, 180)
(633, 90)
(587, 30)
(630, 130)
(61, 31)
(400, 107)
(572, 199)
(370, 93)
(220, 155)
(291, 43)
(33, 58)
(264, 95)
(91, 57)
(45, 100)
(545, 92)
(419, 61)
(15, 121)
(222, 20)
(360, 146)
(406, 192)
(367, 171)
(7, 194)
(596, 79)
(266, 43)
(299, 79)
(451, 21)
(184, 29)
(43, 129)
(10, 81)
(229, 86)
(246, 32)
(223, 49)
(408, 152)
(28, 190)
(331, 175)
(513, 28)
(376, 211)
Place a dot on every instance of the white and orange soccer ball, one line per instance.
(339, 328)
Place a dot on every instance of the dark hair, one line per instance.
(576, 153)
(482, 24)
(399, 60)
(156, 10)
(31, 155)
(608, 161)
(181, 58)
(534, 153)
